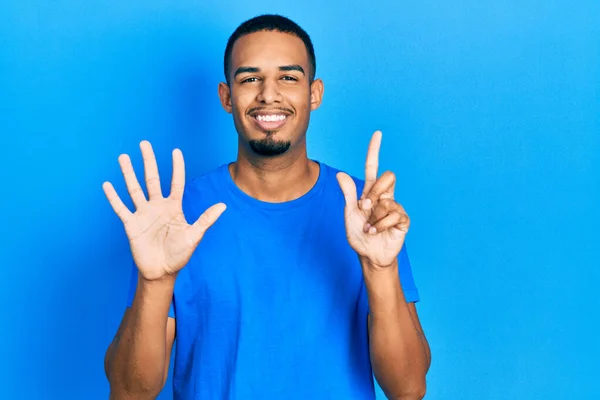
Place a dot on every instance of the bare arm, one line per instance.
(137, 361)
(376, 227)
(400, 354)
(162, 242)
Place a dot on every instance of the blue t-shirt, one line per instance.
(272, 304)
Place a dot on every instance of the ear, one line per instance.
(225, 96)
(316, 94)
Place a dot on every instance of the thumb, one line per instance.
(206, 220)
(348, 189)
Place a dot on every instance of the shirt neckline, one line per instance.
(245, 198)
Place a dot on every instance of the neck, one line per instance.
(275, 179)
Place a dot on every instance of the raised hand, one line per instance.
(376, 225)
(161, 240)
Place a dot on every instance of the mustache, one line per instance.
(256, 109)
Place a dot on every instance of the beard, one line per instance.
(269, 147)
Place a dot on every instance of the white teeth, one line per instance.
(270, 118)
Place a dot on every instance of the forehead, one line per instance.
(268, 48)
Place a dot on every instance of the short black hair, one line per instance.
(270, 22)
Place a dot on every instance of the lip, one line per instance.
(281, 118)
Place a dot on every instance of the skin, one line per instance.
(269, 74)
(376, 227)
(291, 174)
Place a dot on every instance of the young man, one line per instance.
(286, 284)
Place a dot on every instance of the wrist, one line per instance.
(367, 264)
(154, 295)
(377, 276)
(166, 282)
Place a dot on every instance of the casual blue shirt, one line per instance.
(272, 304)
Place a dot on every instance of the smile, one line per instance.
(270, 118)
(269, 122)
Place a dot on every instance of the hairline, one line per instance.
(311, 71)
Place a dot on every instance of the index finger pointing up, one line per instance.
(372, 163)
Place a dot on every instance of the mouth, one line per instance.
(270, 120)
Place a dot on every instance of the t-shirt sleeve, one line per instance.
(411, 293)
(133, 287)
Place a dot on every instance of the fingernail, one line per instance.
(366, 204)
(372, 230)
(366, 227)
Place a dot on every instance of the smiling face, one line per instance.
(270, 94)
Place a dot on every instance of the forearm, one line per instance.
(136, 360)
(399, 352)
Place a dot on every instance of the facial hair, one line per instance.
(268, 147)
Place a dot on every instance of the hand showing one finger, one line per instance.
(376, 225)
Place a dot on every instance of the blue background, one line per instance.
(491, 118)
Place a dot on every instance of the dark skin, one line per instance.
(262, 79)
(376, 226)
(270, 96)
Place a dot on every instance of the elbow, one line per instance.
(416, 391)
(415, 394)
(125, 382)
(122, 393)
(125, 388)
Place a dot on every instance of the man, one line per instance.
(300, 289)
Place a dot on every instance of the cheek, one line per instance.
(242, 99)
(300, 99)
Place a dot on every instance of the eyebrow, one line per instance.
(293, 67)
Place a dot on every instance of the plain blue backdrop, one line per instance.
(491, 119)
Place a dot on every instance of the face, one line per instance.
(270, 94)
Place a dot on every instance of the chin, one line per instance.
(269, 144)
(254, 133)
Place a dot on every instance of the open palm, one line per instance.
(160, 238)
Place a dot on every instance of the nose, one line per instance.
(269, 92)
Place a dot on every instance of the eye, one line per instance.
(249, 80)
(289, 78)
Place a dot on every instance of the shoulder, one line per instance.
(214, 177)
(332, 172)
(206, 188)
